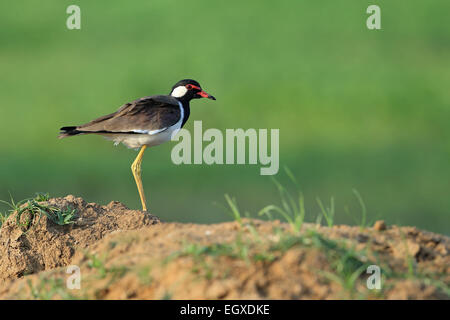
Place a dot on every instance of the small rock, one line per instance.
(379, 225)
(362, 238)
(405, 250)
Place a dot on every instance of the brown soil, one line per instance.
(129, 254)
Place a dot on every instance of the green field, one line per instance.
(356, 109)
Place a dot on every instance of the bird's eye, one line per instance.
(189, 86)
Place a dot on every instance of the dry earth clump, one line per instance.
(44, 245)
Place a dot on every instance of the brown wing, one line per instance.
(144, 114)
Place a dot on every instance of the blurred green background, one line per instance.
(356, 108)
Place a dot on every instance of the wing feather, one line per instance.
(145, 115)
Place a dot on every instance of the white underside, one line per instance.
(147, 138)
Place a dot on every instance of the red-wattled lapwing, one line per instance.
(145, 122)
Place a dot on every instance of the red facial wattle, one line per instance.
(201, 93)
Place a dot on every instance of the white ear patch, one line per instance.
(179, 91)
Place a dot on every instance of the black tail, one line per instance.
(68, 131)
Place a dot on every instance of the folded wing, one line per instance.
(148, 115)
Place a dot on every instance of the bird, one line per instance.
(144, 122)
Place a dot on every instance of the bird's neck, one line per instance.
(186, 109)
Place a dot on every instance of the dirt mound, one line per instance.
(250, 259)
(44, 245)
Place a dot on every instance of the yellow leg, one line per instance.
(136, 169)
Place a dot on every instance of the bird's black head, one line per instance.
(189, 89)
